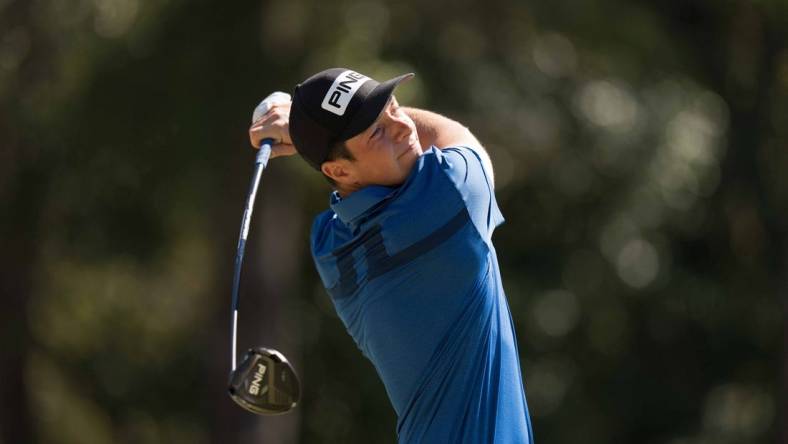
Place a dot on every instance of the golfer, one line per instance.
(405, 253)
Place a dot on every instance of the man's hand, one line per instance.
(275, 124)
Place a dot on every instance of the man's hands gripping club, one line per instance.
(275, 125)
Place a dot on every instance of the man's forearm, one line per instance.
(442, 132)
(438, 130)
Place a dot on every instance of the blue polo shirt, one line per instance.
(414, 277)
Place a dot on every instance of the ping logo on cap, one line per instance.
(342, 90)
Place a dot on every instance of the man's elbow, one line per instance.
(457, 135)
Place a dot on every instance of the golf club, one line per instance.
(265, 382)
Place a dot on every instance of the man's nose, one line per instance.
(401, 129)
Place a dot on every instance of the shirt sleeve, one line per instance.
(466, 170)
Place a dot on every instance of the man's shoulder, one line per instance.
(466, 166)
(469, 171)
(453, 161)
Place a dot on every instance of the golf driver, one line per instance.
(264, 383)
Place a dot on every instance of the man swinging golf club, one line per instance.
(406, 256)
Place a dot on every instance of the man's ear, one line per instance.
(340, 171)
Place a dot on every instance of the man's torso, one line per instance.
(414, 277)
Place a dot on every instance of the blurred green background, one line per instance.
(640, 148)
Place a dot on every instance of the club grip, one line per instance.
(265, 152)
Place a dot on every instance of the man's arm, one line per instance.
(442, 132)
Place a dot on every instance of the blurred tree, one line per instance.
(23, 183)
(740, 47)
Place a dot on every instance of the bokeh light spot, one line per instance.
(554, 55)
(114, 18)
(736, 409)
(608, 105)
(637, 263)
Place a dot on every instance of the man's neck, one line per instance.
(345, 191)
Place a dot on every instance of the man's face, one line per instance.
(384, 153)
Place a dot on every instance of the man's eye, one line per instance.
(378, 131)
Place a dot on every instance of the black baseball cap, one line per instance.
(333, 106)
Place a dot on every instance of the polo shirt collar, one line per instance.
(356, 204)
(350, 208)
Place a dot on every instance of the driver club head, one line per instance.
(265, 383)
